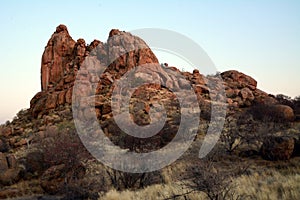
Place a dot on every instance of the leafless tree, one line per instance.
(125, 180)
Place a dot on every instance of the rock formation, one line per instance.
(63, 57)
(99, 66)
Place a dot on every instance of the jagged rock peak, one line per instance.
(61, 28)
(55, 57)
(114, 32)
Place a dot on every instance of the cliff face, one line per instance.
(56, 57)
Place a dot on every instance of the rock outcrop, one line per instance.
(122, 52)
(63, 57)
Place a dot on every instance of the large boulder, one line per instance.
(33, 163)
(56, 178)
(9, 170)
(277, 148)
(126, 51)
(283, 112)
(52, 180)
(276, 113)
(239, 80)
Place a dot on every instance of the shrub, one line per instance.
(125, 180)
(214, 181)
(63, 146)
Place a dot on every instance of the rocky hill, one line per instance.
(66, 61)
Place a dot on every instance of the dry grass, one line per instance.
(266, 181)
(153, 192)
(24, 188)
(269, 185)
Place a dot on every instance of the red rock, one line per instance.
(246, 94)
(63, 57)
(201, 89)
(3, 162)
(20, 143)
(61, 98)
(69, 78)
(55, 57)
(80, 47)
(61, 28)
(51, 101)
(52, 179)
(237, 79)
(230, 93)
(69, 96)
(283, 112)
(114, 32)
(6, 131)
(106, 108)
(10, 176)
(196, 71)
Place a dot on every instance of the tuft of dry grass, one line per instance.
(23, 188)
(154, 192)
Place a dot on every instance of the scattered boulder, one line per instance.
(9, 170)
(283, 112)
(246, 94)
(52, 180)
(276, 113)
(55, 178)
(10, 176)
(33, 162)
(277, 148)
(6, 131)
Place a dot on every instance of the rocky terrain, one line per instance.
(42, 157)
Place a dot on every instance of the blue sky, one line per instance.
(259, 38)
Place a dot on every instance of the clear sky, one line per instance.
(259, 38)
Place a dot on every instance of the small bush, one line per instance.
(63, 146)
